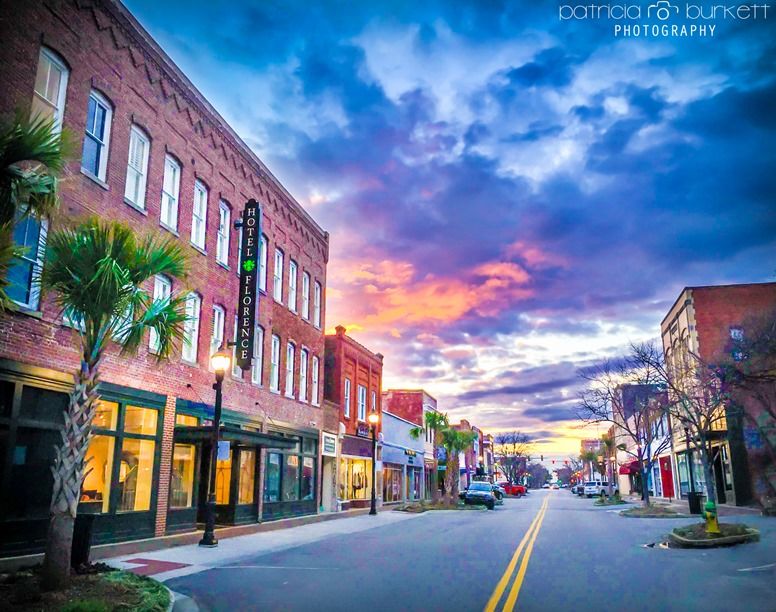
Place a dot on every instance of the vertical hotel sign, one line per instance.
(249, 264)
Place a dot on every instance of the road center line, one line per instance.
(515, 590)
(504, 581)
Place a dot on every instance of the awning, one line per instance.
(630, 468)
(232, 433)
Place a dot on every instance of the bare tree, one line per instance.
(628, 393)
(512, 452)
(697, 398)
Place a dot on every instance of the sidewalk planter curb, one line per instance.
(751, 535)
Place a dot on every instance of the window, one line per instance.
(272, 484)
(50, 87)
(182, 475)
(224, 479)
(274, 373)
(170, 192)
(292, 274)
(137, 167)
(246, 482)
(29, 234)
(308, 478)
(191, 328)
(136, 474)
(162, 291)
(346, 403)
(290, 369)
(361, 403)
(305, 295)
(217, 335)
(258, 356)
(263, 262)
(317, 305)
(277, 280)
(303, 375)
(290, 484)
(222, 244)
(736, 333)
(374, 401)
(315, 381)
(97, 138)
(199, 215)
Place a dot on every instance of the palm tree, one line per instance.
(32, 154)
(609, 445)
(435, 422)
(454, 441)
(97, 271)
(590, 457)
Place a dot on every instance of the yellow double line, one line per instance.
(530, 538)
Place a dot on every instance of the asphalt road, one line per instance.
(576, 557)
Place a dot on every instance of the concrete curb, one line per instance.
(751, 535)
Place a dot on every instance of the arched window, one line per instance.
(48, 100)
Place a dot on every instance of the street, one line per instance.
(576, 557)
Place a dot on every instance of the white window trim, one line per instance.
(170, 202)
(102, 171)
(219, 323)
(191, 330)
(59, 105)
(159, 282)
(317, 304)
(222, 233)
(361, 393)
(346, 398)
(290, 363)
(293, 275)
(257, 366)
(37, 266)
(277, 276)
(316, 374)
(304, 367)
(137, 132)
(196, 240)
(274, 374)
(306, 296)
(263, 250)
(237, 371)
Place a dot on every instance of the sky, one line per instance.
(511, 196)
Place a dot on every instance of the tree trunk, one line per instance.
(645, 485)
(451, 479)
(435, 477)
(68, 472)
(708, 473)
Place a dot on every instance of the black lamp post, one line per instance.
(689, 458)
(220, 362)
(374, 419)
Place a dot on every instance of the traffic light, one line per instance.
(553, 462)
(542, 457)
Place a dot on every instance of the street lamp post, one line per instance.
(689, 459)
(220, 362)
(374, 419)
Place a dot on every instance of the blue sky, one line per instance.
(510, 196)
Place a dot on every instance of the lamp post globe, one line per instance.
(374, 419)
(220, 361)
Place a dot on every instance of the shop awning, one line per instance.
(232, 433)
(630, 468)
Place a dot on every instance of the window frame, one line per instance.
(290, 365)
(315, 380)
(293, 275)
(277, 275)
(274, 374)
(222, 234)
(346, 398)
(159, 281)
(170, 203)
(136, 132)
(361, 415)
(304, 360)
(33, 288)
(257, 365)
(217, 308)
(317, 304)
(103, 142)
(263, 251)
(199, 220)
(306, 295)
(191, 326)
(58, 106)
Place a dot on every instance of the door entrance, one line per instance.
(719, 480)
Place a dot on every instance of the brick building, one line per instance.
(153, 153)
(413, 405)
(353, 381)
(706, 321)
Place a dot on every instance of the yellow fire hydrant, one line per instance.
(712, 525)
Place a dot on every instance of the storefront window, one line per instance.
(106, 415)
(291, 478)
(140, 420)
(182, 478)
(136, 472)
(95, 490)
(308, 478)
(355, 478)
(223, 479)
(272, 485)
(41, 404)
(186, 420)
(247, 476)
(31, 479)
(391, 483)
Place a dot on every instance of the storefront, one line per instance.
(329, 444)
(290, 475)
(414, 483)
(354, 481)
(393, 478)
(122, 474)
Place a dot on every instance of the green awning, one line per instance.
(232, 433)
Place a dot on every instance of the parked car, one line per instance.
(479, 493)
(510, 489)
(554, 486)
(546, 485)
(499, 491)
(596, 488)
(520, 490)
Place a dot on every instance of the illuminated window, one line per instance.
(182, 475)
(140, 420)
(247, 483)
(95, 490)
(223, 479)
(186, 420)
(136, 474)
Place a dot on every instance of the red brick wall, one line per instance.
(165, 465)
(405, 404)
(104, 52)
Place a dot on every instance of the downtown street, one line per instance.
(549, 550)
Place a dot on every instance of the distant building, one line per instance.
(705, 321)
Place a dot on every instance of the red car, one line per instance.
(514, 490)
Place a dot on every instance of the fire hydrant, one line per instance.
(712, 525)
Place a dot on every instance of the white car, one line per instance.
(596, 488)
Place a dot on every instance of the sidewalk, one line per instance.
(191, 558)
(682, 506)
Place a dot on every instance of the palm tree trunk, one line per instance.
(435, 476)
(68, 472)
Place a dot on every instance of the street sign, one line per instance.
(249, 270)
